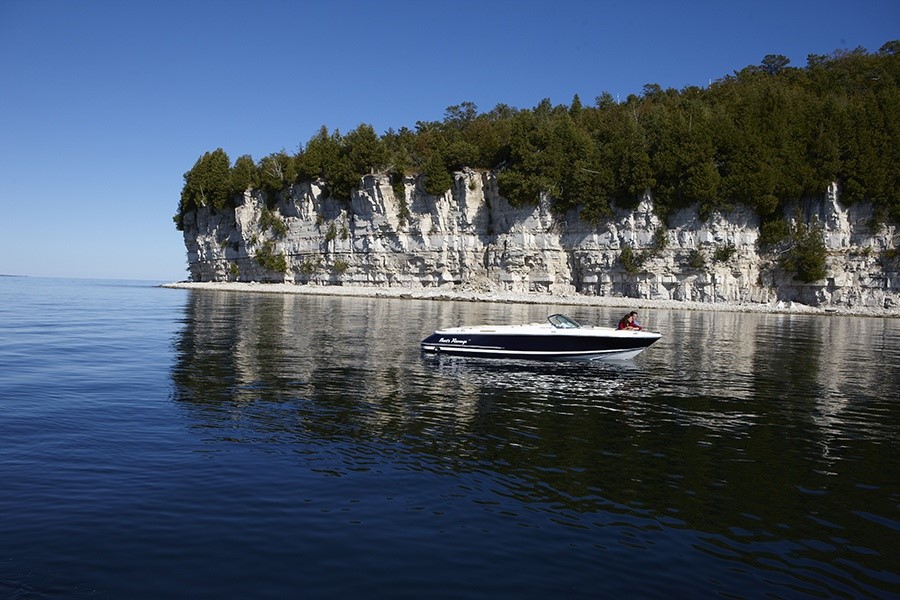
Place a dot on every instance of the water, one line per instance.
(170, 443)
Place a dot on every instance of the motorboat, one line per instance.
(561, 338)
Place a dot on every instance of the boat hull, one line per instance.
(578, 344)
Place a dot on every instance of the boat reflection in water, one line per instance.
(561, 338)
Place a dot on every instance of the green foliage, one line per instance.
(269, 259)
(766, 136)
(631, 159)
(342, 161)
(518, 188)
(276, 172)
(401, 149)
(773, 232)
(208, 183)
(696, 260)
(398, 186)
(660, 239)
(437, 179)
(340, 266)
(319, 156)
(365, 151)
(331, 233)
(632, 261)
(400, 193)
(594, 213)
(890, 257)
(244, 175)
(807, 254)
(308, 267)
(724, 253)
(272, 222)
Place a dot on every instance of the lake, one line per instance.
(178, 443)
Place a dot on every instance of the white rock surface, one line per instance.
(472, 240)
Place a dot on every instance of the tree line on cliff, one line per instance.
(763, 137)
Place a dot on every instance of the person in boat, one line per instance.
(629, 321)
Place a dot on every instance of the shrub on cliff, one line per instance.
(807, 254)
(631, 260)
(267, 258)
(696, 260)
(399, 188)
(773, 232)
(269, 221)
(724, 253)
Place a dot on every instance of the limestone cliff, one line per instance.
(472, 238)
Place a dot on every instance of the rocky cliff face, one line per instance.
(471, 238)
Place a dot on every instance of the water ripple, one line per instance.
(295, 439)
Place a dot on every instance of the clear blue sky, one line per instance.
(105, 104)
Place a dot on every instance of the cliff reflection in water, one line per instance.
(764, 440)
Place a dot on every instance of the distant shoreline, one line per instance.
(528, 298)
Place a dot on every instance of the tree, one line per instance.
(806, 257)
(276, 172)
(328, 158)
(243, 175)
(633, 171)
(321, 150)
(526, 172)
(461, 154)
(575, 107)
(765, 136)
(365, 151)
(460, 115)
(208, 181)
(437, 178)
(774, 64)
(605, 101)
(399, 148)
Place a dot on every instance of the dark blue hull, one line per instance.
(552, 346)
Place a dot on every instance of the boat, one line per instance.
(561, 338)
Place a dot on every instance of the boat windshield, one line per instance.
(562, 322)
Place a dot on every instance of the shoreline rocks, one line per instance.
(449, 294)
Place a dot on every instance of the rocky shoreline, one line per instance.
(447, 293)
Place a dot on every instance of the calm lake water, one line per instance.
(168, 443)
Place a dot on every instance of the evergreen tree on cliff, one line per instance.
(766, 136)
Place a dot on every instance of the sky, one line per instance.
(105, 104)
